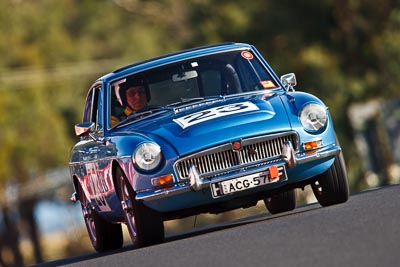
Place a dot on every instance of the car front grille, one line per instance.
(222, 159)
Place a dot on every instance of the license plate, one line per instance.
(270, 175)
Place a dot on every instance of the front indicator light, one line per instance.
(162, 180)
(311, 145)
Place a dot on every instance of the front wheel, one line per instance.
(332, 187)
(282, 202)
(145, 226)
(103, 235)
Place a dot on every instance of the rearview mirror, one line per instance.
(184, 76)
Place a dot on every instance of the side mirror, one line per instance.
(289, 81)
(84, 128)
(87, 128)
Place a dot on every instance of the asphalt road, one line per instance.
(365, 231)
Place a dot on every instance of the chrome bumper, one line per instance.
(288, 158)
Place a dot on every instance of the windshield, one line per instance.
(195, 79)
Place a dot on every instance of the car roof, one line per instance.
(171, 57)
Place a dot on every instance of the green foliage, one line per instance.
(33, 137)
(342, 51)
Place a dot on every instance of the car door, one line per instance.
(94, 157)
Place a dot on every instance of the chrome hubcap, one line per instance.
(126, 205)
(86, 212)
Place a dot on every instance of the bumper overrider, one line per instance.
(196, 182)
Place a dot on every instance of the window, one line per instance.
(91, 112)
(228, 73)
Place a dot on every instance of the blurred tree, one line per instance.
(343, 51)
(39, 88)
(34, 140)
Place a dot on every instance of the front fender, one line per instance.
(294, 102)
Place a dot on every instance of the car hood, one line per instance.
(206, 125)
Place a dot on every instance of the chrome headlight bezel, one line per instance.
(313, 117)
(147, 156)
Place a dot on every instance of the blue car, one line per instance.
(213, 129)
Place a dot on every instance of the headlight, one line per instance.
(147, 156)
(313, 117)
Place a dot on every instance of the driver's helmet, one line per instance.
(131, 83)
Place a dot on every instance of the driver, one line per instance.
(134, 98)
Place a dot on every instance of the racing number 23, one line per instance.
(213, 113)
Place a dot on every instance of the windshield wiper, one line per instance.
(142, 114)
(195, 99)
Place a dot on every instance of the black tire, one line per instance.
(332, 187)
(282, 202)
(145, 226)
(104, 236)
